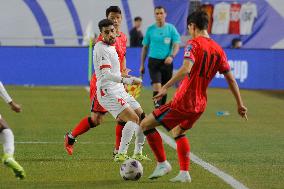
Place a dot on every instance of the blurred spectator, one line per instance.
(237, 43)
(136, 36)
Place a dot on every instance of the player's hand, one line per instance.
(142, 69)
(162, 92)
(132, 80)
(125, 72)
(169, 60)
(15, 107)
(242, 110)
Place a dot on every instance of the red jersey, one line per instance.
(208, 58)
(120, 46)
(234, 27)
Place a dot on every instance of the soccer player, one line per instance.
(97, 111)
(203, 57)
(111, 93)
(7, 137)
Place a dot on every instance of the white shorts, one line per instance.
(115, 101)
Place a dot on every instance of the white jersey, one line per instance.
(247, 15)
(105, 56)
(221, 18)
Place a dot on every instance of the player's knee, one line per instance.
(3, 124)
(134, 118)
(144, 125)
(94, 122)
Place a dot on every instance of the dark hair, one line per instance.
(115, 9)
(138, 18)
(199, 18)
(160, 7)
(104, 23)
(235, 41)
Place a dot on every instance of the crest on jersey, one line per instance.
(188, 48)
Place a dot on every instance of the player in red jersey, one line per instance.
(203, 57)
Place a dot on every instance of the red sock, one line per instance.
(155, 141)
(81, 128)
(118, 134)
(183, 150)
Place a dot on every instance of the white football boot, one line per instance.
(183, 176)
(161, 170)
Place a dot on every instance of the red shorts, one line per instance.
(170, 118)
(95, 106)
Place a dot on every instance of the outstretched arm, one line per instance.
(242, 110)
(4, 94)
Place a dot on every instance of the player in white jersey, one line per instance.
(111, 92)
(7, 137)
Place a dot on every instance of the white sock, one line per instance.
(7, 137)
(139, 140)
(126, 137)
(183, 172)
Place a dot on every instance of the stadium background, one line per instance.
(30, 29)
(42, 47)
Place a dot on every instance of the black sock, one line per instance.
(156, 103)
(164, 100)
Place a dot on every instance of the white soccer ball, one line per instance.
(131, 170)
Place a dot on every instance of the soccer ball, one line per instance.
(131, 170)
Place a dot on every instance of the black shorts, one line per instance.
(159, 71)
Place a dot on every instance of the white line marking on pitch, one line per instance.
(214, 170)
(224, 176)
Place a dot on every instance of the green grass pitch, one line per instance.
(252, 152)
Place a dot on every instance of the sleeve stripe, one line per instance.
(105, 66)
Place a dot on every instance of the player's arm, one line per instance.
(184, 69)
(170, 58)
(242, 110)
(143, 57)
(6, 97)
(108, 76)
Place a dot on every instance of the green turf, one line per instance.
(252, 152)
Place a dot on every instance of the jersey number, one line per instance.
(214, 59)
(121, 101)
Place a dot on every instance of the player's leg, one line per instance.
(132, 120)
(167, 73)
(183, 151)
(139, 135)
(7, 138)
(155, 142)
(183, 147)
(118, 133)
(156, 76)
(82, 127)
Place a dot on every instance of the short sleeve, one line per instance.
(103, 59)
(175, 35)
(224, 65)
(189, 50)
(146, 39)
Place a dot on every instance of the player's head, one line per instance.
(160, 14)
(137, 22)
(236, 43)
(108, 31)
(197, 22)
(114, 13)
